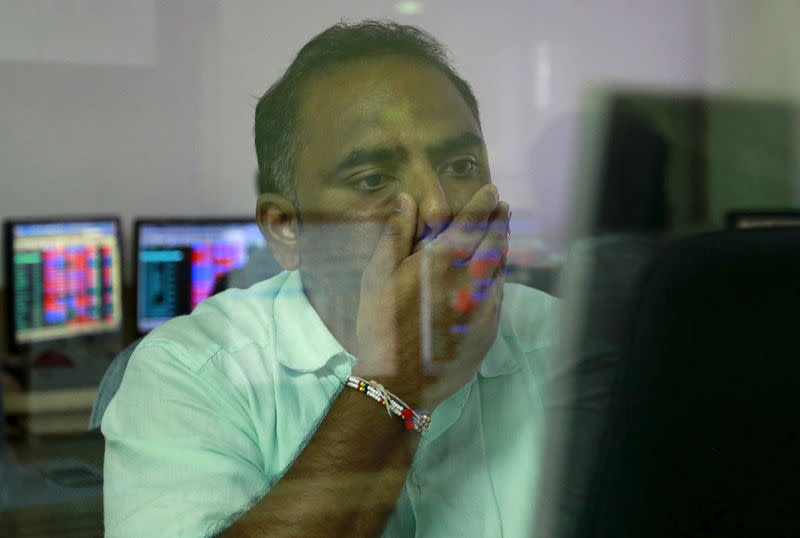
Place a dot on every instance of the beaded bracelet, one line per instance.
(413, 420)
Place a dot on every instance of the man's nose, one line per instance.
(433, 207)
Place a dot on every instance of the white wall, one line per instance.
(756, 53)
(113, 137)
(528, 60)
(160, 122)
(91, 32)
(756, 50)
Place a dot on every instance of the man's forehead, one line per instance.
(381, 93)
(395, 113)
(383, 98)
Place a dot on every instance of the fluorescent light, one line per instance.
(408, 7)
(543, 74)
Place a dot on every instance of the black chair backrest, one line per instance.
(3, 439)
(703, 432)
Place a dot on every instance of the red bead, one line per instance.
(406, 414)
(409, 424)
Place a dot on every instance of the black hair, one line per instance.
(276, 137)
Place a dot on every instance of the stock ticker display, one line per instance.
(180, 264)
(65, 279)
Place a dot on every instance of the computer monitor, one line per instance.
(179, 262)
(742, 220)
(676, 163)
(652, 167)
(63, 279)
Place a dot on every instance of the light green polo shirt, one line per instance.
(216, 405)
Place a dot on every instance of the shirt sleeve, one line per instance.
(181, 457)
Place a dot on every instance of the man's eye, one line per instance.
(372, 182)
(461, 168)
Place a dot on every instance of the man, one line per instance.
(377, 200)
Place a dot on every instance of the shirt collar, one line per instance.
(303, 342)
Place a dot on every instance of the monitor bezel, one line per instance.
(733, 218)
(12, 345)
(140, 222)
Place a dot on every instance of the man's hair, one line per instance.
(276, 134)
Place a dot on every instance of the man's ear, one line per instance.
(279, 224)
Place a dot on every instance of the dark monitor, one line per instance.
(63, 278)
(179, 262)
(676, 164)
(743, 220)
(653, 167)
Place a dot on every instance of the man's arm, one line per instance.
(345, 482)
(174, 468)
(347, 479)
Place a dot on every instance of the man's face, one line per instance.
(372, 129)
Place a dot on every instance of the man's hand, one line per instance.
(429, 317)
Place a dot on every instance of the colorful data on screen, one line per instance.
(65, 279)
(179, 264)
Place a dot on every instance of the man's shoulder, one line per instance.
(229, 321)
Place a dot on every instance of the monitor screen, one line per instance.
(181, 262)
(64, 279)
(675, 164)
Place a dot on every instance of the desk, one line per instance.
(75, 518)
(80, 520)
(52, 411)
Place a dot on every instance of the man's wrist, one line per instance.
(413, 418)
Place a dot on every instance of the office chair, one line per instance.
(702, 436)
(109, 385)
